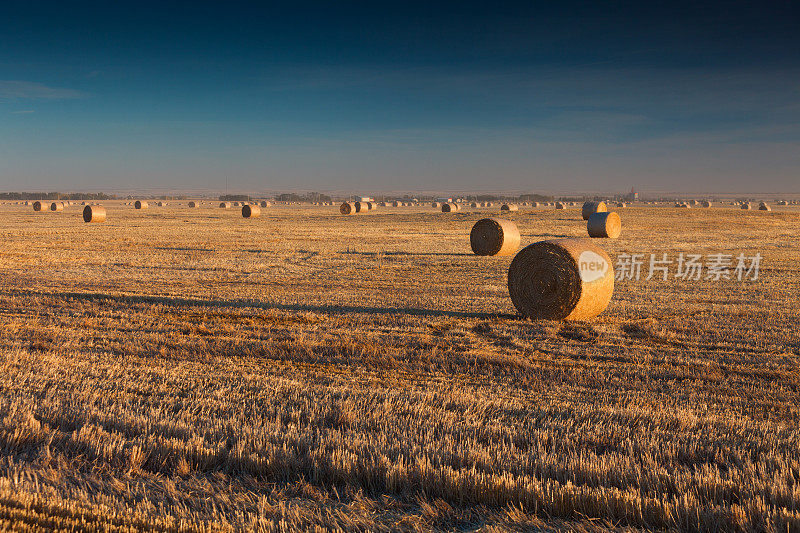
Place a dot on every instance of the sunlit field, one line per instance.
(181, 369)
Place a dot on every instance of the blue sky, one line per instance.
(700, 97)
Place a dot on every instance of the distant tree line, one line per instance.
(55, 196)
(310, 197)
(235, 198)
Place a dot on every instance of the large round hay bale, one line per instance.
(604, 225)
(746, 206)
(705, 203)
(94, 213)
(371, 206)
(37, 205)
(474, 204)
(590, 208)
(360, 206)
(56, 206)
(225, 205)
(489, 204)
(449, 207)
(347, 209)
(566, 279)
(265, 203)
(251, 211)
(194, 204)
(494, 236)
(534, 204)
(139, 204)
(764, 207)
(559, 205)
(509, 207)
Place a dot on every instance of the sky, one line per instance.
(404, 96)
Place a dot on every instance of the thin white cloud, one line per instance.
(23, 112)
(31, 90)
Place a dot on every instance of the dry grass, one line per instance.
(185, 369)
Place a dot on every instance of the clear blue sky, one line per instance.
(572, 96)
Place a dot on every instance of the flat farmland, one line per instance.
(188, 369)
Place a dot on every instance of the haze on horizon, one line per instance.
(698, 97)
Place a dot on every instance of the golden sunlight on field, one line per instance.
(177, 368)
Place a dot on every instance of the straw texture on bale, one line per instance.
(94, 213)
(566, 279)
(139, 204)
(225, 205)
(509, 207)
(593, 207)
(559, 205)
(37, 206)
(347, 209)
(494, 236)
(604, 225)
(251, 211)
(56, 206)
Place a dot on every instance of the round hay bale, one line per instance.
(251, 211)
(705, 203)
(489, 204)
(370, 206)
(395, 204)
(781, 202)
(494, 236)
(764, 207)
(449, 207)
(56, 206)
(746, 206)
(94, 213)
(360, 206)
(265, 203)
(535, 204)
(607, 225)
(194, 204)
(139, 204)
(436, 205)
(682, 205)
(566, 279)
(225, 205)
(347, 209)
(509, 207)
(37, 205)
(559, 205)
(622, 204)
(590, 208)
(474, 204)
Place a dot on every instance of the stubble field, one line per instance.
(184, 369)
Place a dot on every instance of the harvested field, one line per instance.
(183, 369)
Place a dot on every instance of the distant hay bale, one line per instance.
(474, 204)
(622, 204)
(781, 202)
(559, 205)
(567, 279)
(347, 208)
(436, 205)
(509, 207)
(139, 204)
(194, 204)
(450, 207)
(682, 205)
(94, 213)
(370, 206)
(604, 225)
(764, 207)
(56, 206)
(37, 205)
(746, 206)
(265, 203)
(395, 204)
(489, 204)
(494, 236)
(251, 211)
(534, 204)
(360, 206)
(705, 203)
(590, 208)
(225, 205)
